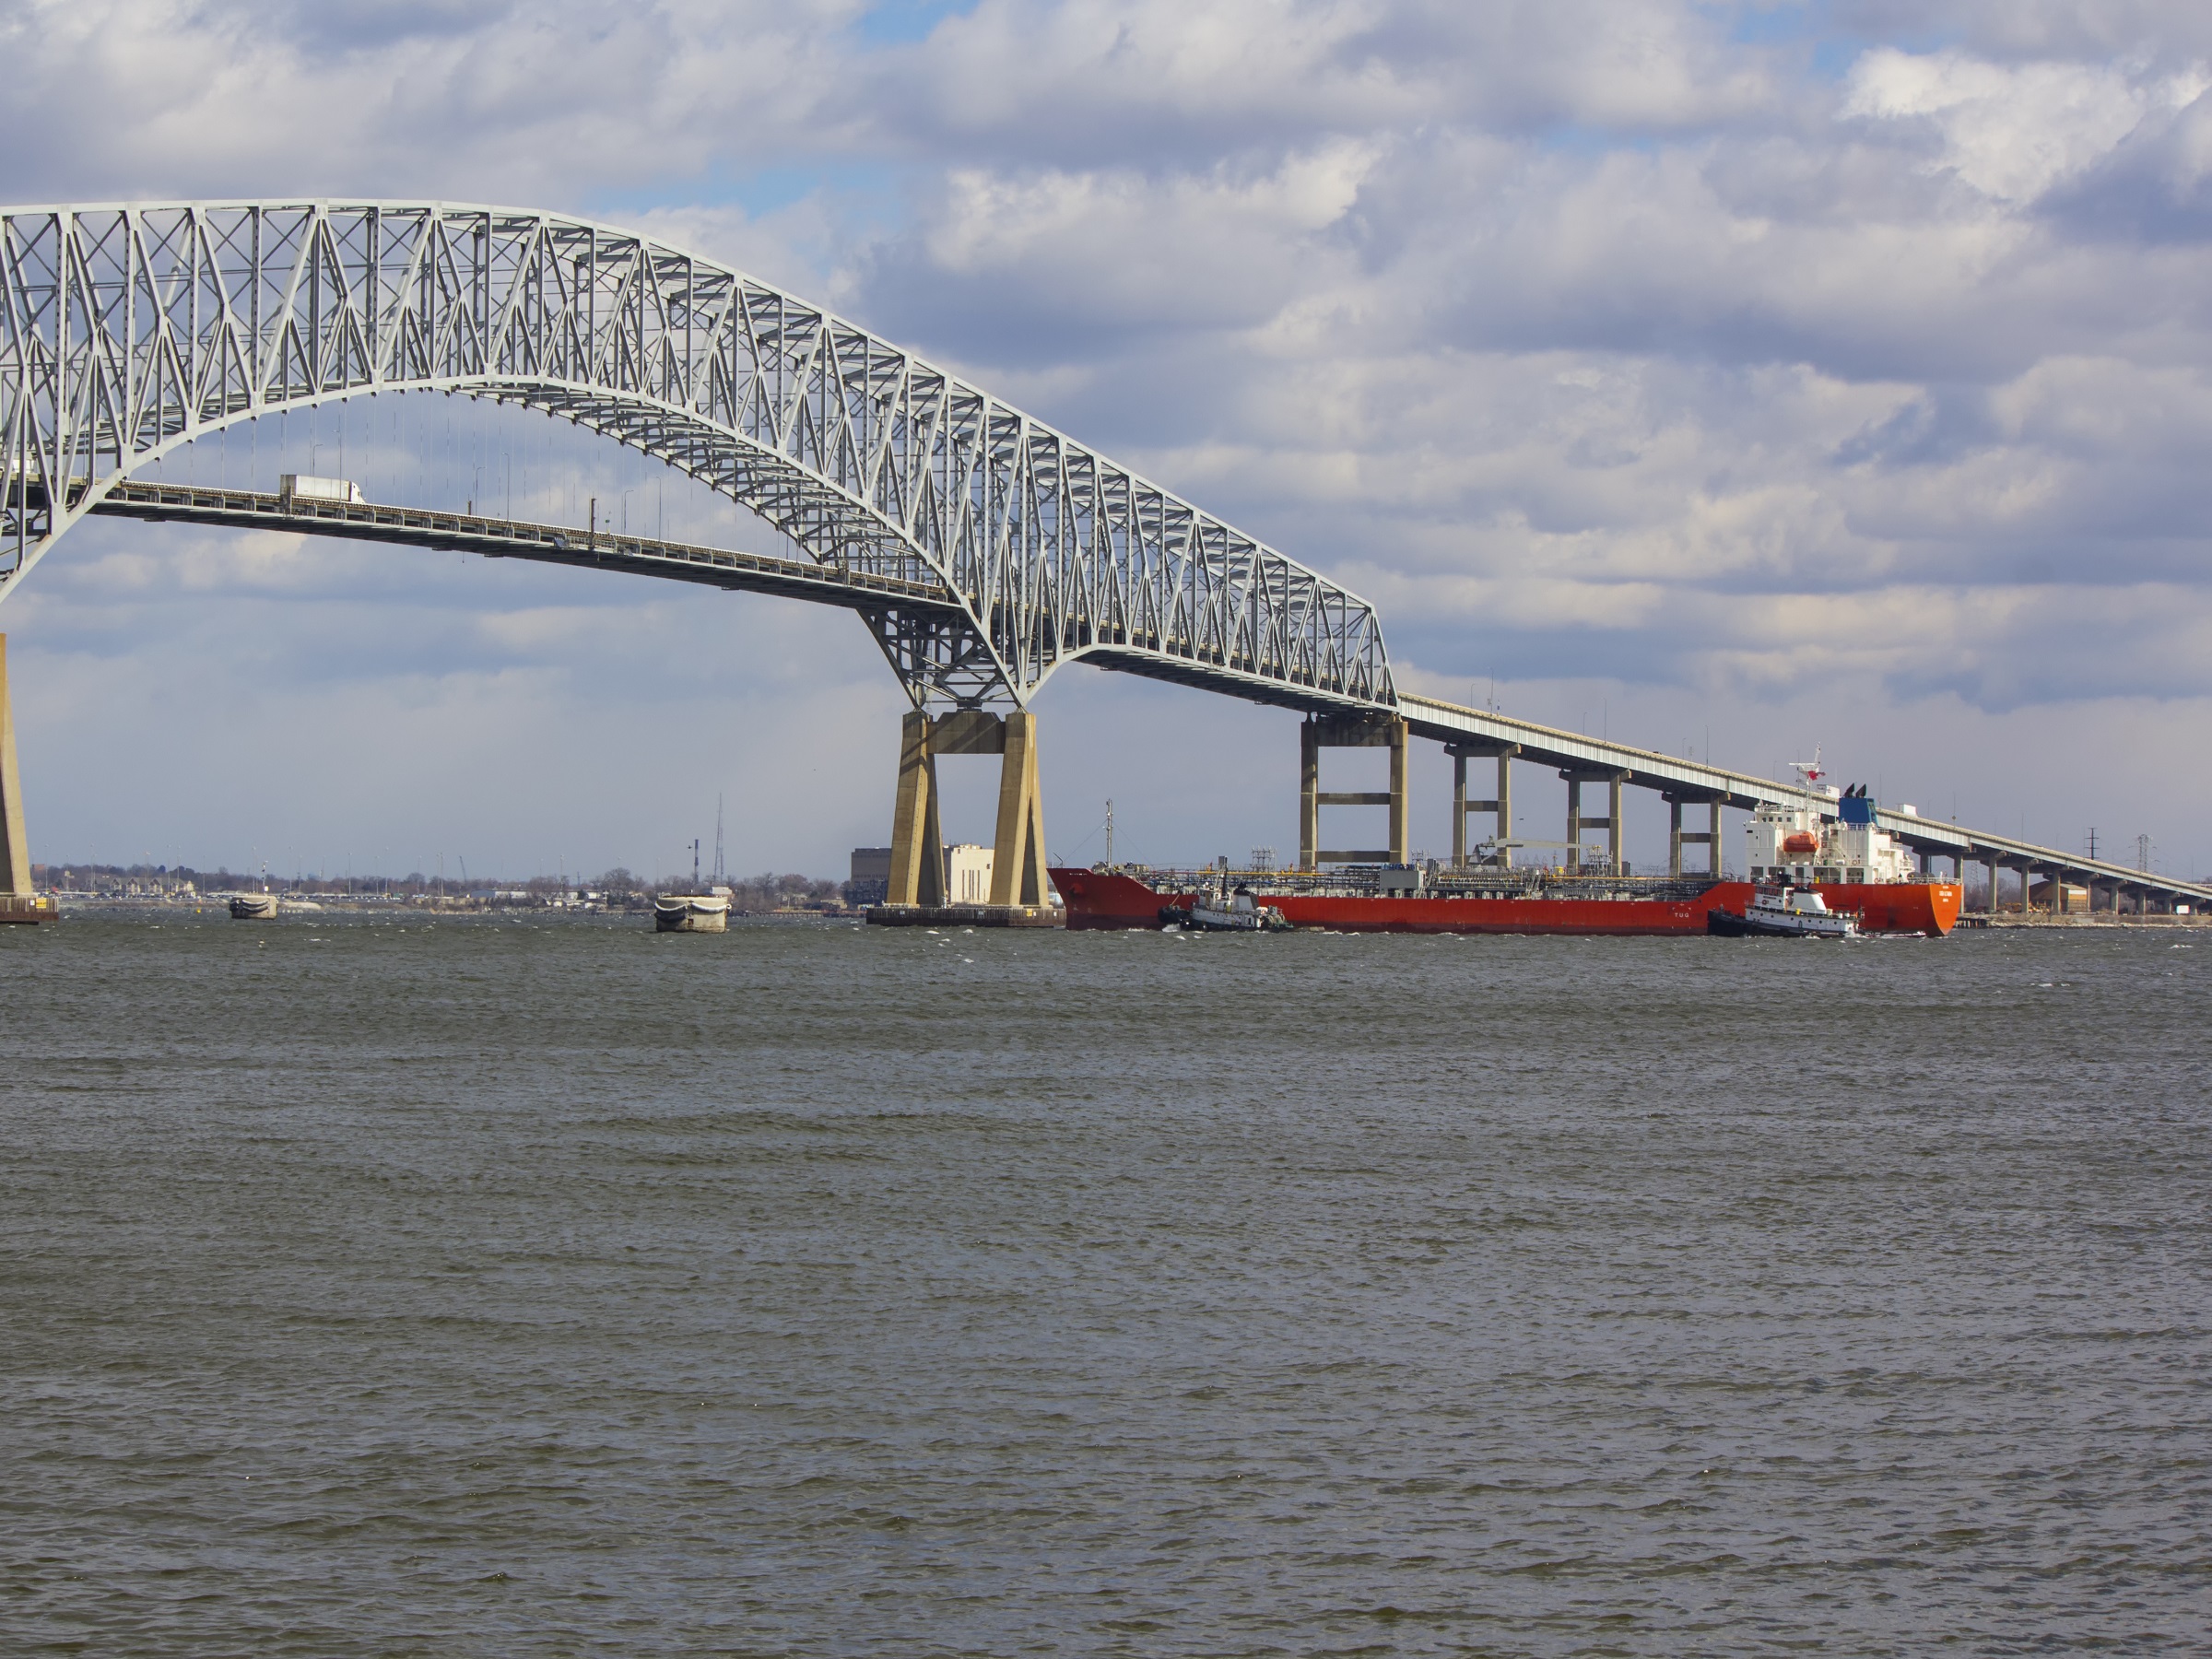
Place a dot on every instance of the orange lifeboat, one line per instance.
(1801, 842)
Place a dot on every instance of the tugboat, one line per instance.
(1242, 913)
(1789, 913)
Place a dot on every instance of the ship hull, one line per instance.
(1100, 900)
(1896, 907)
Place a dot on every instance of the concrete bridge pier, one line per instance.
(1019, 887)
(1501, 805)
(1577, 823)
(917, 840)
(15, 856)
(18, 901)
(1677, 838)
(1318, 733)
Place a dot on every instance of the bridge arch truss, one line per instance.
(127, 331)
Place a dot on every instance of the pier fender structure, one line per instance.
(1320, 731)
(1017, 859)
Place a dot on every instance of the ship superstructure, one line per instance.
(1828, 835)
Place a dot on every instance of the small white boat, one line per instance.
(691, 913)
(254, 907)
(1791, 914)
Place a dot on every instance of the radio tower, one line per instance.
(719, 878)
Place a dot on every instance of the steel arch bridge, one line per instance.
(127, 331)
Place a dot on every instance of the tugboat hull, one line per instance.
(1727, 924)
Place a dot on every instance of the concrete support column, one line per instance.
(1309, 794)
(1401, 817)
(1674, 836)
(1992, 883)
(1575, 826)
(1712, 842)
(1018, 852)
(1505, 809)
(1459, 810)
(917, 843)
(1613, 805)
(15, 851)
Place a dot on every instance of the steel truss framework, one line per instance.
(128, 331)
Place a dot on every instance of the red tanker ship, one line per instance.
(1829, 844)
(1355, 901)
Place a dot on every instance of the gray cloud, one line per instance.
(1859, 368)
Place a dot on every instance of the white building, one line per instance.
(967, 873)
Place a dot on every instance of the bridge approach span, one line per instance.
(127, 331)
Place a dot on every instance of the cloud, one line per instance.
(140, 98)
(2013, 131)
(1736, 355)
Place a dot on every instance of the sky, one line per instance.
(1726, 378)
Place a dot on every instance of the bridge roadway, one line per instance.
(510, 538)
(1474, 730)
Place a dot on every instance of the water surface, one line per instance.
(557, 1288)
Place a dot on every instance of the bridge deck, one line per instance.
(507, 539)
(1155, 655)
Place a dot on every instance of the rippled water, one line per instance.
(490, 1288)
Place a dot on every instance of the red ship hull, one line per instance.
(1097, 898)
